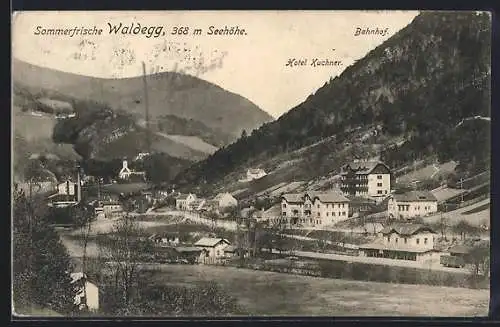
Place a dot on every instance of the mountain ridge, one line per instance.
(415, 87)
(171, 93)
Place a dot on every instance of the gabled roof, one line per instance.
(210, 242)
(406, 229)
(292, 197)
(221, 196)
(362, 167)
(183, 196)
(328, 197)
(414, 196)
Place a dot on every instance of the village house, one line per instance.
(367, 179)
(411, 204)
(183, 201)
(255, 173)
(112, 209)
(128, 174)
(214, 247)
(314, 208)
(86, 292)
(223, 201)
(68, 194)
(170, 239)
(404, 241)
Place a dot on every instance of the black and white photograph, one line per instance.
(177, 164)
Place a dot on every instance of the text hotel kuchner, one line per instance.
(137, 29)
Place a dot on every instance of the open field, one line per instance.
(470, 214)
(193, 142)
(268, 293)
(124, 188)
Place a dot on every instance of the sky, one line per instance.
(252, 65)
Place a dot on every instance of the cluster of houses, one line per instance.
(219, 203)
(364, 184)
(207, 250)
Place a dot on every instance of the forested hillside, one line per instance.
(169, 93)
(417, 86)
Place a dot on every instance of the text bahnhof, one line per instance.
(135, 29)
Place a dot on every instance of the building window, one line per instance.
(379, 184)
(388, 239)
(425, 240)
(284, 205)
(396, 240)
(418, 241)
(385, 191)
(379, 192)
(318, 206)
(333, 214)
(318, 214)
(284, 213)
(379, 176)
(327, 214)
(406, 240)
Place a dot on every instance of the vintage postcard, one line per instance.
(251, 163)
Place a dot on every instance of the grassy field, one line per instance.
(267, 293)
(428, 172)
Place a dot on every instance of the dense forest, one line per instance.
(418, 85)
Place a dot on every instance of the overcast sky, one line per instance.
(252, 65)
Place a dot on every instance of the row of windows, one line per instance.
(406, 207)
(295, 212)
(340, 205)
(406, 240)
(381, 192)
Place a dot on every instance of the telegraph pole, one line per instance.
(461, 190)
(146, 107)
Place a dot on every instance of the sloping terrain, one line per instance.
(169, 94)
(401, 102)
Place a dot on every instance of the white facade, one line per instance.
(85, 292)
(409, 209)
(225, 200)
(366, 179)
(112, 210)
(412, 204)
(379, 185)
(420, 241)
(125, 172)
(255, 174)
(67, 188)
(184, 201)
(214, 247)
(315, 209)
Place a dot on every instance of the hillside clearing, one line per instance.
(192, 142)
